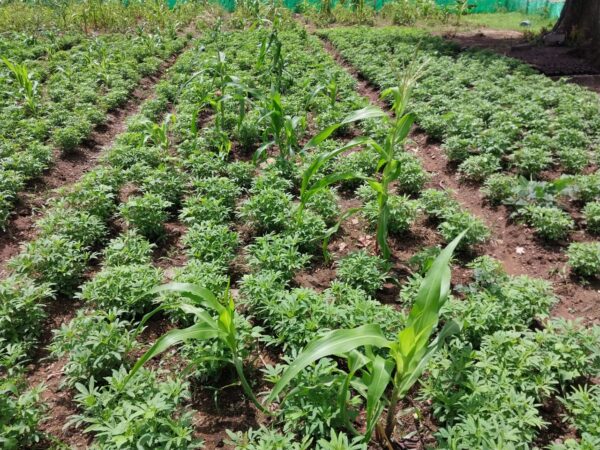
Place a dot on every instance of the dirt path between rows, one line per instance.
(68, 169)
(515, 245)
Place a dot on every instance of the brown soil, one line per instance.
(555, 61)
(515, 245)
(69, 168)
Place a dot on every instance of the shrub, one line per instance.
(438, 203)
(267, 210)
(241, 173)
(205, 164)
(55, 260)
(457, 222)
(587, 187)
(22, 310)
(199, 209)
(211, 242)
(95, 345)
(363, 271)
(584, 258)
(309, 230)
(583, 404)
(531, 161)
(549, 222)
(21, 412)
(412, 175)
(146, 214)
(124, 287)
(277, 253)
(75, 225)
(498, 187)
(574, 160)
(403, 212)
(591, 212)
(166, 182)
(325, 203)
(478, 167)
(220, 188)
(126, 249)
(107, 410)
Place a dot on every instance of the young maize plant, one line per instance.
(158, 134)
(203, 306)
(399, 363)
(388, 164)
(27, 87)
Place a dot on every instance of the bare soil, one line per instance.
(554, 61)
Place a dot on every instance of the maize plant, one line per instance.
(27, 87)
(202, 306)
(389, 166)
(397, 363)
(285, 130)
(158, 134)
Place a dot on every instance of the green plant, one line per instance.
(211, 242)
(278, 253)
(267, 210)
(27, 87)
(325, 204)
(309, 229)
(158, 134)
(124, 287)
(455, 223)
(478, 167)
(498, 187)
(22, 310)
(412, 176)
(438, 204)
(54, 260)
(363, 271)
(591, 212)
(241, 173)
(21, 412)
(106, 411)
(204, 306)
(409, 353)
(583, 405)
(77, 226)
(199, 209)
(584, 258)
(402, 213)
(221, 188)
(146, 214)
(549, 222)
(126, 249)
(94, 344)
(211, 275)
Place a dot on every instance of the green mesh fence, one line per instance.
(550, 8)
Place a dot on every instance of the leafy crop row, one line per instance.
(56, 93)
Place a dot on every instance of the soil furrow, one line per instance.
(515, 245)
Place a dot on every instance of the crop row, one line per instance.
(499, 122)
(265, 92)
(54, 94)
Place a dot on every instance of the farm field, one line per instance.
(231, 230)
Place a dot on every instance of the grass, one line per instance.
(507, 21)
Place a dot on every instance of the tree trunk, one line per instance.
(580, 24)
